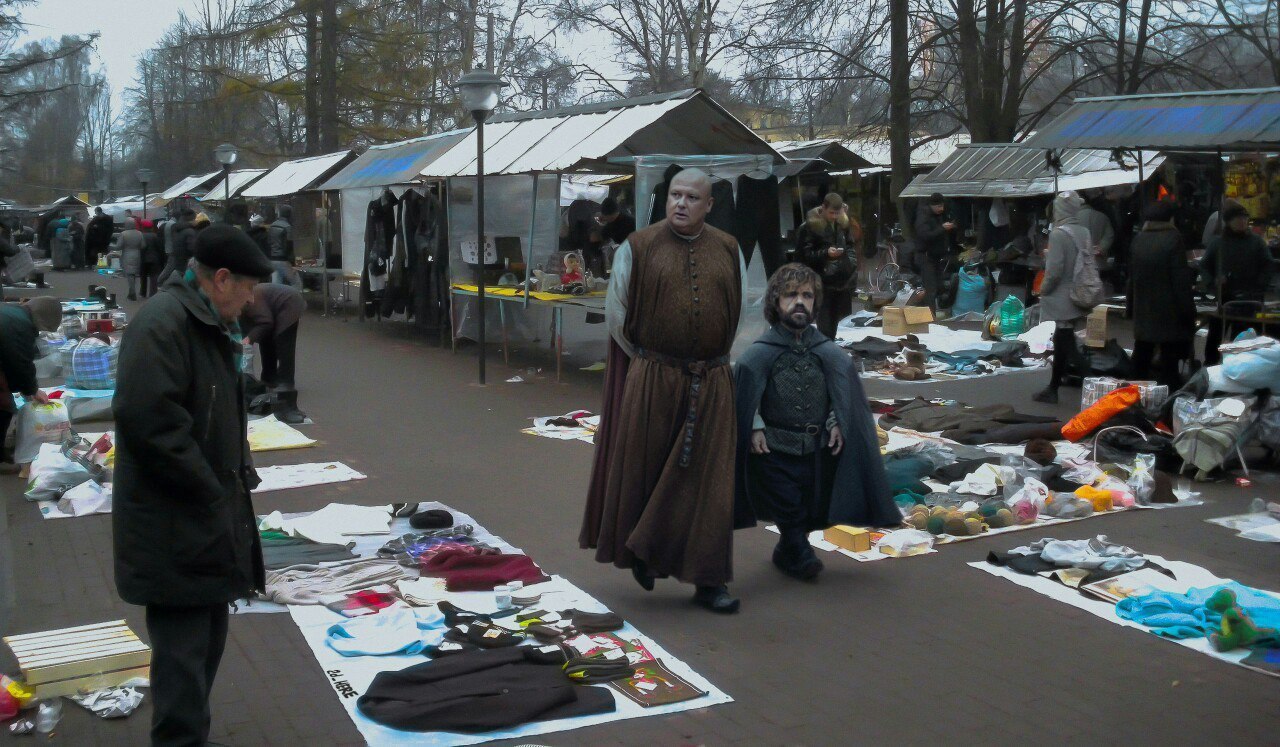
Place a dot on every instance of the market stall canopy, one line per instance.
(601, 136)
(296, 176)
(232, 185)
(195, 183)
(62, 203)
(393, 163)
(809, 156)
(116, 208)
(924, 153)
(1013, 170)
(1244, 120)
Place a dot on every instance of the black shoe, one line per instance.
(716, 599)
(1048, 395)
(403, 509)
(640, 572)
(799, 562)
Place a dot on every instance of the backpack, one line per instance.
(1086, 283)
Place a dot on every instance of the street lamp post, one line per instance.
(479, 92)
(144, 176)
(226, 155)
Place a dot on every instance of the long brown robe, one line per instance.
(684, 301)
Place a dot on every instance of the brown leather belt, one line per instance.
(697, 369)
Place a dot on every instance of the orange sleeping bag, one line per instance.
(1093, 417)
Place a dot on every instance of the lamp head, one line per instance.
(478, 90)
(226, 154)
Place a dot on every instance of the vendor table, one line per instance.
(503, 295)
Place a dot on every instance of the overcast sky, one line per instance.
(127, 28)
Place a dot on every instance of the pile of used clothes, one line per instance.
(911, 358)
(961, 471)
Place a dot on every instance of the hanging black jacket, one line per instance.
(184, 527)
(480, 691)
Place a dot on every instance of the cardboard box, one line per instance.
(906, 320)
(1095, 328)
(80, 659)
(854, 539)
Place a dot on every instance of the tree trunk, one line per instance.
(1123, 5)
(311, 96)
(330, 125)
(899, 108)
(1139, 49)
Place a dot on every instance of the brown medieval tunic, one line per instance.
(662, 483)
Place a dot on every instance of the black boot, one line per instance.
(1048, 396)
(795, 557)
(716, 599)
(286, 407)
(640, 572)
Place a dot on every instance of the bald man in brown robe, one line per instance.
(662, 492)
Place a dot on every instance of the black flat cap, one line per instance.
(225, 246)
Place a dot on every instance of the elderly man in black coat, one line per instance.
(808, 457)
(186, 542)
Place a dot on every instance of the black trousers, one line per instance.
(835, 306)
(789, 485)
(1172, 354)
(6, 417)
(1064, 348)
(151, 278)
(279, 357)
(186, 648)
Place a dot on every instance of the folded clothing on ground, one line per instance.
(1195, 614)
(467, 571)
(311, 584)
(289, 551)
(398, 630)
(480, 691)
(1088, 554)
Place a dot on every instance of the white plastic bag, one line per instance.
(39, 424)
(1032, 490)
(1142, 480)
(53, 474)
(86, 498)
(904, 542)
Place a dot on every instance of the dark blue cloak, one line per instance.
(854, 488)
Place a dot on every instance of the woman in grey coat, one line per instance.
(1068, 238)
(130, 242)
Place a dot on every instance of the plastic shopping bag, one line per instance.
(39, 424)
(53, 474)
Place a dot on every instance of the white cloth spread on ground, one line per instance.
(1186, 574)
(269, 434)
(332, 524)
(288, 476)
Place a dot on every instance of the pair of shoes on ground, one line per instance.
(714, 598)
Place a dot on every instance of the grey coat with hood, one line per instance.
(1068, 238)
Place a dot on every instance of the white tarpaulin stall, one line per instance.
(232, 185)
(292, 177)
(195, 184)
(1012, 170)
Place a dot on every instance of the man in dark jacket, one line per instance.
(1164, 312)
(280, 246)
(1240, 262)
(822, 244)
(97, 236)
(184, 245)
(271, 322)
(186, 544)
(935, 237)
(807, 455)
(19, 326)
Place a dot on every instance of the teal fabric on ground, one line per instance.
(1185, 616)
(904, 473)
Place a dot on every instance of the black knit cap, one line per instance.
(225, 246)
(937, 199)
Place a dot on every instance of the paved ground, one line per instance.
(893, 652)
